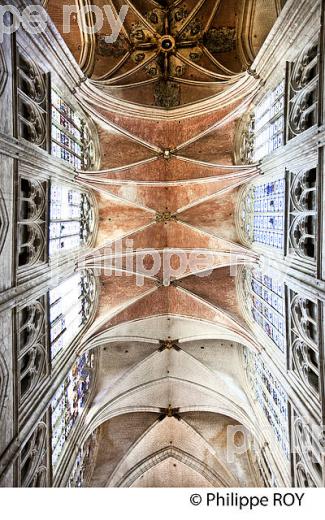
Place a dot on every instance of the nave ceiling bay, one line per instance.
(154, 412)
(169, 53)
(171, 188)
(162, 411)
(195, 215)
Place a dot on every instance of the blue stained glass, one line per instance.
(269, 203)
(67, 132)
(268, 307)
(69, 402)
(270, 396)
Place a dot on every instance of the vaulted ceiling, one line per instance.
(170, 52)
(166, 98)
(170, 340)
(144, 440)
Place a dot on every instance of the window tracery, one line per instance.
(267, 305)
(303, 215)
(70, 306)
(271, 397)
(308, 453)
(269, 122)
(269, 205)
(71, 225)
(33, 459)
(262, 214)
(71, 137)
(67, 132)
(303, 91)
(71, 218)
(83, 465)
(304, 341)
(32, 347)
(32, 94)
(69, 402)
(245, 140)
(32, 234)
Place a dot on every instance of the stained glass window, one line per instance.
(71, 218)
(67, 132)
(69, 402)
(269, 212)
(83, 463)
(269, 122)
(70, 305)
(271, 397)
(268, 306)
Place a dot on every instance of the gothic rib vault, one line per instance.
(170, 53)
(171, 376)
(174, 206)
(162, 283)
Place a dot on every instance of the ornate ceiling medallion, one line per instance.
(166, 43)
(170, 48)
(165, 217)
